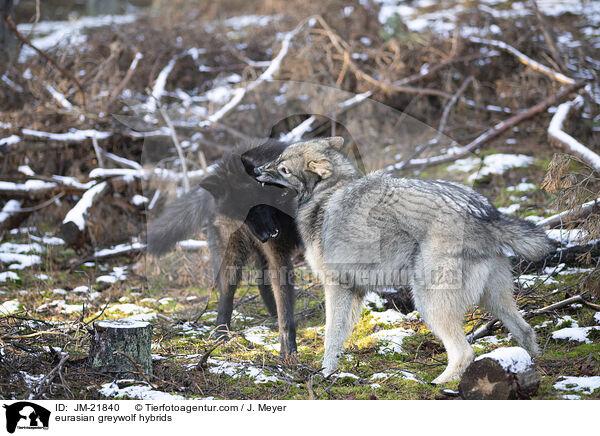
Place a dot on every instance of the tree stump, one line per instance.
(116, 344)
(506, 373)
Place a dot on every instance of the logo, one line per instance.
(26, 415)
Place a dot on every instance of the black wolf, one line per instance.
(243, 221)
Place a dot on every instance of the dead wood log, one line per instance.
(121, 346)
(10, 215)
(570, 256)
(74, 223)
(506, 373)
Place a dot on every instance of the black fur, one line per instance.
(243, 221)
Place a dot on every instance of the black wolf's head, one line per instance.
(265, 209)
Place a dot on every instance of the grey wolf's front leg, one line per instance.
(342, 308)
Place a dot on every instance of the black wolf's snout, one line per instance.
(262, 222)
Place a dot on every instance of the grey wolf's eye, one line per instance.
(283, 170)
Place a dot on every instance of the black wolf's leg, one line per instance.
(264, 286)
(266, 292)
(281, 275)
(227, 279)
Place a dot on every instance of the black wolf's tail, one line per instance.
(523, 237)
(180, 220)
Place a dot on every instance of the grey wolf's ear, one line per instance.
(321, 167)
(213, 184)
(335, 142)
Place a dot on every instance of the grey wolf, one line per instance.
(443, 239)
(244, 222)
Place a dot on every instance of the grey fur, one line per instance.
(445, 240)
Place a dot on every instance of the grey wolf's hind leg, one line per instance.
(498, 299)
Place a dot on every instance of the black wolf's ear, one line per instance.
(335, 142)
(321, 167)
(213, 185)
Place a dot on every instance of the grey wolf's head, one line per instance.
(305, 166)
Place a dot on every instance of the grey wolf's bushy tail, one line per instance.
(180, 220)
(523, 237)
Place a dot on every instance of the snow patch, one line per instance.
(9, 307)
(579, 334)
(12, 139)
(237, 370)
(20, 261)
(513, 359)
(499, 163)
(585, 385)
(139, 392)
(391, 340)
(9, 276)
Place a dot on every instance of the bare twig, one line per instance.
(547, 36)
(47, 380)
(205, 356)
(41, 205)
(418, 150)
(267, 75)
(98, 152)
(128, 75)
(137, 367)
(185, 179)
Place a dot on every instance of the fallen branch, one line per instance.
(559, 77)
(495, 323)
(73, 135)
(118, 250)
(566, 141)
(558, 305)
(121, 160)
(575, 213)
(29, 189)
(161, 173)
(492, 133)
